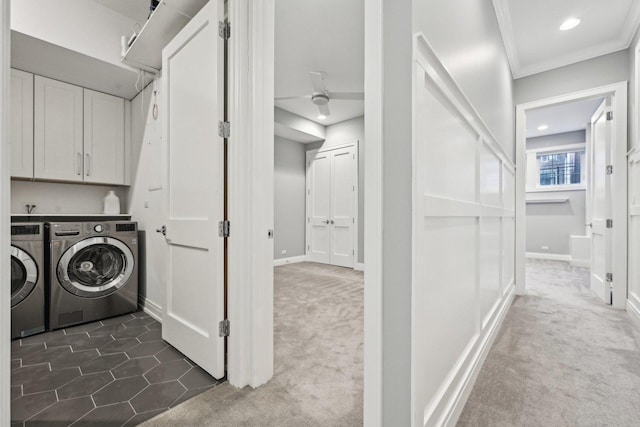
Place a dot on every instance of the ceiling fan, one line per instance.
(321, 96)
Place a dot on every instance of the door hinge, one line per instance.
(224, 30)
(224, 129)
(609, 277)
(609, 115)
(223, 328)
(609, 223)
(609, 169)
(224, 228)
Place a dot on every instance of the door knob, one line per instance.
(331, 221)
(589, 225)
(162, 230)
(326, 222)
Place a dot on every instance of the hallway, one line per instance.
(561, 358)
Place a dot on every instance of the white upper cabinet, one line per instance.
(58, 152)
(104, 142)
(21, 124)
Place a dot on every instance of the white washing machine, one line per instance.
(93, 271)
(27, 279)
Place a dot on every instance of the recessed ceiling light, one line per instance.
(322, 117)
(569, 24)
(543, 127)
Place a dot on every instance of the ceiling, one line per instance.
(319, 35)
(534, 43)
(561, 118)
(138, 10)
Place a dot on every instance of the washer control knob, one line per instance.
(99, 228)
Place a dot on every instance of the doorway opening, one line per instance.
(572, 190)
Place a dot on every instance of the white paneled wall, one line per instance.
(634, 232)
(463, 266)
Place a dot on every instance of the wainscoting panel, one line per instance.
(463, 243)
(633, 299)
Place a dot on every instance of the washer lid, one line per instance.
(24, 275)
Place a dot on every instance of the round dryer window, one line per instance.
(24, 275)
(95, 267)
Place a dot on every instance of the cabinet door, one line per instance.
(21, 124)
(58, 130)
(103, 138)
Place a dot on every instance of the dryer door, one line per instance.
(95, 267)
(24, 275)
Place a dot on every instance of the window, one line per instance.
(560, 168)
(556, 168)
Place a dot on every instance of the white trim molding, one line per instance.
(5, 217)
(551, 257)
(618, 94)
(359, 266)
(151, 308)
(289, 260)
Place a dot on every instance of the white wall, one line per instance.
(146, 196)
(588, 74)
(62, 198)
(341, 133)
(289, 203)
(427, 352)
(551, 224)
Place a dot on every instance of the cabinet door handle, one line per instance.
(79, 164)
(88, 165)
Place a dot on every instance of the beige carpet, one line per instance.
(562, 358)
(318, 380)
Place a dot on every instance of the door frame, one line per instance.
(308, 154)
(5, 216)
(618, 93)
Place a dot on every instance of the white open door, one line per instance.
(194, 178)
(332, 177)
(600, 196)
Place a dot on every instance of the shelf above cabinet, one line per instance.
(162, 26)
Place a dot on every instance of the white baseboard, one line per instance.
(151, 308)
(552, 257)
(633, 308)
(359, 266)
(584, 263)
(290, 260)
(466, 383)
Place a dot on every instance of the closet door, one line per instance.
(343, 194)
(319, 207)
(21, 124)
(103, 138)
(57, 130)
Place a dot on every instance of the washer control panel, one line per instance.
(98, 228)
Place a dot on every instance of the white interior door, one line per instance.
(318, 206)
(194, 177)
(331, 206)
(600, 195)
(343, 194)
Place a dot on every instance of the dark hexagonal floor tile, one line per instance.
(118, 346)
(140, 418)
(51, 381)
(120, 390)
(138, 321)
(169, 354)
(62, 413)
(62, 340)
(157, 396)
(135, 367)
(16, 392)
(74, 359)
(87, 327)
(111, 415)
(19, 351)
(27, 406)
(188, 395)
(103, 363)
(154, 325)
(84, 385)
(28, 374)
(118, 320)
(140, 313)
(196, 378)
(167, 371)
(151, 335)
(15, 364)
(41, 338)
(87, 343)
(130, 332)
(147, 349)
(45, 356)
(106, 330)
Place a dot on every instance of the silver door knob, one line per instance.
(326, 222)
(331, 221)
(162, 230)
(589, 225)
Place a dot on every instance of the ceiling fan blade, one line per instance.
(284, 98)
(317, 80)
(324, 109)
(350, 96)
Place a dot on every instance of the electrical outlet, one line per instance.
(544, 247)
(283, 252)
